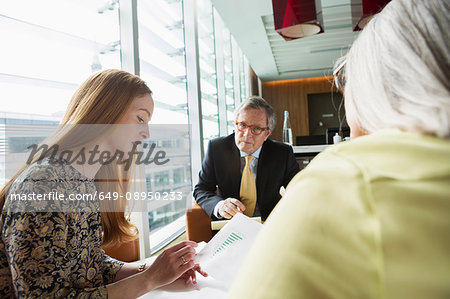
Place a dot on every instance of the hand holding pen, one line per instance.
(230, 207)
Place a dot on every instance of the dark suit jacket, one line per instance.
(221, 169)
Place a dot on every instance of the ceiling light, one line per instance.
(297, 18)
(364, 10)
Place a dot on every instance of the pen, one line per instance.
(237, 207)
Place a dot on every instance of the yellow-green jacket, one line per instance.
(368, 218)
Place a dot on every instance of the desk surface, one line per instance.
(310, 148)
(206, 288)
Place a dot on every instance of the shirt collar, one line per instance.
(255, 154)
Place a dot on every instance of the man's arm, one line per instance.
(205, 190)
(292, 167)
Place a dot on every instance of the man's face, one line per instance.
(247, 141)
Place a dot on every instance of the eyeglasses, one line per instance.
(241, 126)
(339, 76)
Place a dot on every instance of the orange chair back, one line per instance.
(198, 224)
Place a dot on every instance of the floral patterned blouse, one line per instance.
(53, 254)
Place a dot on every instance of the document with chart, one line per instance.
(225, 253)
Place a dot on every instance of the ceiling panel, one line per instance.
(273, 58)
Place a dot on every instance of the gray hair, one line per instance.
(255, 102)
(398, 69)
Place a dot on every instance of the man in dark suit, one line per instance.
(222, 189)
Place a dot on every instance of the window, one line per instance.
(222, 72)
(45, 56)
(49, 47)
(163, 67)
(208, 73)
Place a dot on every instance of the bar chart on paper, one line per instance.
(229, 241)
(224, 254)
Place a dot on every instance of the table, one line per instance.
(206, 288)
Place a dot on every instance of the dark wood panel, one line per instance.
(292, 95)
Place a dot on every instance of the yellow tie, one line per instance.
(248, 188)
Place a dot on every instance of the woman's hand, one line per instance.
(190, 274)
(172, 263)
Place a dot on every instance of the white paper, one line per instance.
(225, 253)
(206, 288)
(221, 264)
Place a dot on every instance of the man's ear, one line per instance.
(268, 134)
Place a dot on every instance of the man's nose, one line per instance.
(247, 132)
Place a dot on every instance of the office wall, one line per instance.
(254, 86)
(292, 95)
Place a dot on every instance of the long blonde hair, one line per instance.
(102, 99)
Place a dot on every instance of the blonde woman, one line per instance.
(370, 218)
(55, 250)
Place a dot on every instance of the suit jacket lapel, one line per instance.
(235, 161)
(262, 171)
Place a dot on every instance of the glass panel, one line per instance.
(53, 44)
(244, 75)
(48, 48)
(225, 72)
(229, 77)
(208, 75)
(162, 65)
